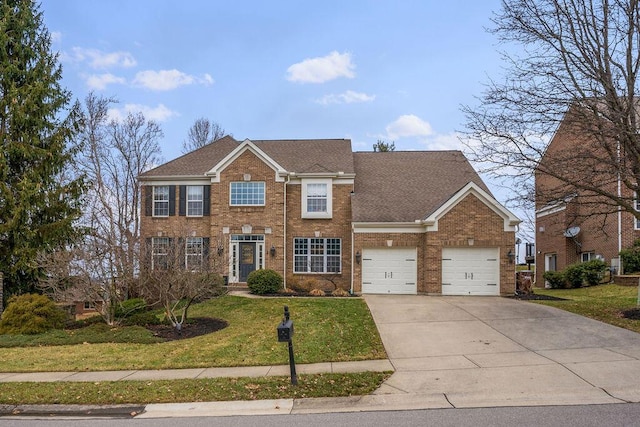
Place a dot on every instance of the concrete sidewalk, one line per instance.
(199, 373)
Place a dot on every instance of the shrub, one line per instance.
(593, 271)
(554, 278)
(574, 275)
(317, 292)
(130, 307)
(142, 319)
(340, 293)
(31, 314)
(262, 282)
(631, 258)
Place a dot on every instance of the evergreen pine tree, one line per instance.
(39, 202)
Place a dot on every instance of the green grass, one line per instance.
(203, 390)
(602, 302)
(326, 329)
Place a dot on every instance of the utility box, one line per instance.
(285, 331)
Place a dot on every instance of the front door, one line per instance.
(247, 259)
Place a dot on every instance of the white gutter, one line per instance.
(284, 237)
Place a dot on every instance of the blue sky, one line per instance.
(364, 70)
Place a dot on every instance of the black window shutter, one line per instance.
(172, 200)
(205, 253)
(148, 249)
(206, 200)
(182, 210)
(148, 200)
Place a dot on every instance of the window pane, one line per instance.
(314, 255)
(160, 253)
(194, 200)
(316, 197)
(193, 251)
(161, 200)
(247, 193)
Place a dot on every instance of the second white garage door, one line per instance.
(470, 271)
(389, 271)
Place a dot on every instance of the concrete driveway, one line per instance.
(491, 351)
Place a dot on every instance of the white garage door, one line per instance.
(470, 271)
(389, 271)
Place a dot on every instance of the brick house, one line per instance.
(396, 222)
(573, 226)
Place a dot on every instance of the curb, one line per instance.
(105, 411)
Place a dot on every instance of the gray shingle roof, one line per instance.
(398, 186)
(300, 156)
(407, 186)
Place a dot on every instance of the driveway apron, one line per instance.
(492, 351)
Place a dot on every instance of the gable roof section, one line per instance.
(246, 145)
(510, 220)
(312, 157)
(196, 163)
(408, 186)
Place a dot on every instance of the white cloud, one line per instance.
(446, 141)
(407, 126)
(347, 97)
(101, 60)
(100, 81)
(168, 79)
(56, 36)
(160, 113)
(322, 69)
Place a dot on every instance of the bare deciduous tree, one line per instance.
(577, 64)
(169, 279)
(202, 132)
(104, 266)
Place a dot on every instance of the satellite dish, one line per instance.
(571, 232)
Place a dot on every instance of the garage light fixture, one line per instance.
(358, 257)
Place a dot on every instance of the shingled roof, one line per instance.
(407, 186)
(299, 156)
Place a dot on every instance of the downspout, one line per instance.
(352, 258)
(284, 237)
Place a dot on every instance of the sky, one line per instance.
(392, 70)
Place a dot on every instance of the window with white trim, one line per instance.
(249, 193)
(317, 255)
(194, 251)
(317, 198)
(587, 256)
(161, 200)
(195, 199)
(160, 253)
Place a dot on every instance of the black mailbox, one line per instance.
(285, 331)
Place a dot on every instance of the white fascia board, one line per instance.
(334, 175)
(388, 227)
(175, 180)
(549, 210)
(247, 145)
(510, 220)
(296, 179)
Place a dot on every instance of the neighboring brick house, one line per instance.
(395, 222)
(572, 226)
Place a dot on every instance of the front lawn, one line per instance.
(603, 302)
(326, 329)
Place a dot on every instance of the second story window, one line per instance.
(161, 200)
(247, 194)
(194, 200)
(317, 198)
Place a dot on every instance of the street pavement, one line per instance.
(446, 352)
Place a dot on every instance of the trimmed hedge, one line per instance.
(261, 282)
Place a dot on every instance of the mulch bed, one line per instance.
(194, 327)
(532, 297)
(632, 313)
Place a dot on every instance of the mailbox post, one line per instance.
(285, 334)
